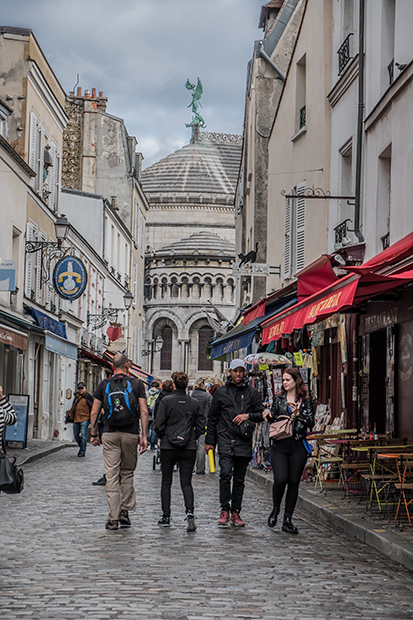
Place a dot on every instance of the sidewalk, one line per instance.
(36, 449)
(350, 517)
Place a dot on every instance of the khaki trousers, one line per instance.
(120, 453)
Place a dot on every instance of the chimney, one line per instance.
(79, 91)
(138, 165)
(87, 93)
(93, 93)
(101, 93)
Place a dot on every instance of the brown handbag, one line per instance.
(283, 426)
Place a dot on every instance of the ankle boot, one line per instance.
(272, 519)
(288, 526)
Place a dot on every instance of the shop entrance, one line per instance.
(377, 387)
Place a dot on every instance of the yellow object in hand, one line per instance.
(211, 461)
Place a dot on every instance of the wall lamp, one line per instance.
(98, 320)
(158, 347)
(50, 249)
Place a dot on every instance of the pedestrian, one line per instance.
(176, 411)
(79, 414)
(204, 399)
(288, 455)
(124, 403)
(167, 388)
(7, 417)
(232, 404)
(151, 398)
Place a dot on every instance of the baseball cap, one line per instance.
(81, 385)
(237, 363)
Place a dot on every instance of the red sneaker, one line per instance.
(223, 517)
(236, 519)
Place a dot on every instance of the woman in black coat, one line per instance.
(289, 456)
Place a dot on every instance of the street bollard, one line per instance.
(211, 461)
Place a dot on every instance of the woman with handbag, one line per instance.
(7, 416)
(179, 422)
(292, 415)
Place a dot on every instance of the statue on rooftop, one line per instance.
(195, 103)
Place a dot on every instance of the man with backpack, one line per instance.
(123, 400)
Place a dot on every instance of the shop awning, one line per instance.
(242, 336)
(315, 277)
(257, 310)
(396, 253)
(349, 291)
(47, 323)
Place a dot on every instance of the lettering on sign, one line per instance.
(251, 269)
(380, 320)
(325, 304)
(276, 330)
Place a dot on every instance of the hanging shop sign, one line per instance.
(69, 278)
(7, 275)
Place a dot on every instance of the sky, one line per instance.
(140, 54)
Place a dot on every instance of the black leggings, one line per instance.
(186, 462)
(288, 459)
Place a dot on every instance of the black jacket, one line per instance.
(174, 408)
(221, 429)
(161, 395)
(303, 423)
(205, 399)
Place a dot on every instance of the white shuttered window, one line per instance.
(287, 238)
(294, 232)
(299, 253)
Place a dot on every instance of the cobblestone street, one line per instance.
(58, 561)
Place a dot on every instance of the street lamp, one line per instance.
(158, 347)
(99, 320)
(50, 249)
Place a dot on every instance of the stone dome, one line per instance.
(202, 242)
(207, 169)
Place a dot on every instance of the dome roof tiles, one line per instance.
(202, 242)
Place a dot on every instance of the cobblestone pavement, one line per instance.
(58, 561)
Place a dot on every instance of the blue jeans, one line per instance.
(80, 433)
(151, 434)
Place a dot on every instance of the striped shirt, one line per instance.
(7, 416)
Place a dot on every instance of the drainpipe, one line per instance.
(270, 62)
(359, 145)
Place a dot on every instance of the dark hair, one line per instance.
(168, 385)
(120, 360)
(300, 388)
(213, 388)
(181, 380)
(155, 384)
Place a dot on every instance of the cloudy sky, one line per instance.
(140, 54)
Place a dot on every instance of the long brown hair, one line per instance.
(300, 388)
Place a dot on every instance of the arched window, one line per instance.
(166, 351)
(204, 335)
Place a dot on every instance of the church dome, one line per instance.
(207, 169)
(201, 243)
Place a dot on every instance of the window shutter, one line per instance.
(140, 291)
(135, 283)
(33, 146)
(52, 176)
(136, 232)
(287, 238)
(29, 281)
(142, 234)
(41, 236)
(300, 228)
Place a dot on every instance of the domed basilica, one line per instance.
(190, 236)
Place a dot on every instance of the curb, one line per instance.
(391, 545)
(45, 452)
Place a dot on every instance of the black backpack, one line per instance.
(119, 402)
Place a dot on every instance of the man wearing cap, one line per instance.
(233, 403)
(79, 414)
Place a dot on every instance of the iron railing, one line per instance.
(340, 231)
(303, 119)
(344, 54)
(386, 241)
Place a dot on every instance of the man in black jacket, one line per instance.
(204, 399)
(233, 403)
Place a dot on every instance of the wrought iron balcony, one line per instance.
(340, 232)
(344, 54)
(386, 241)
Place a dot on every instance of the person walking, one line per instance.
(178, 417)
(124, 403)
(79, 414)
(167, 388)
(204, 399)
(288, 455)
(7, 417)
(151, 397)
(232, 404)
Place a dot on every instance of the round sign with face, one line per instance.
(69, 277)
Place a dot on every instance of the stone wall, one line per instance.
(72, 146)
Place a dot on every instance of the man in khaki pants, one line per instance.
(124, 402)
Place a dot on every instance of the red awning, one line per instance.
(315, 277)
(256, 311)
(394, 254)
(349, 291)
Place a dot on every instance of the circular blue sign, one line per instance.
(69, 277)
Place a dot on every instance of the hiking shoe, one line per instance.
(100, 482)
(80, 453)
(124, 520)
(223, 517)
(236, 519)
(165, 521)
(190, 522)
(111, 525)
